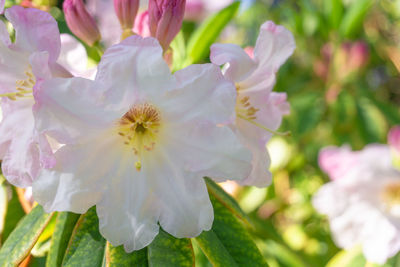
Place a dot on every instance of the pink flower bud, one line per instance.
(126, 11)
(80, 22)
(142, 26)
(394, 138)
(166, 18)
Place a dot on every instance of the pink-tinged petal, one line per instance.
(240, 64)
(4, 35)
(36, 30)
(394, 138)
(210, 150)
(73, 56)
(70, 108)
(260, 175)
(40, 67)
(18, 150)
(273, 47)
(203, 94)
(187, 213)
(13, 65)
(337, 162)
(141, 70)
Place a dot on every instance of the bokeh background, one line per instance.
(343, 85)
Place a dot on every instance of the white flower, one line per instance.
(363, 200)
(138, 141)
(257, 107)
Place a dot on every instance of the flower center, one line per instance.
(139, 128)
(24, 87)
(244, 109)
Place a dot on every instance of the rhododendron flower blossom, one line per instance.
(22, 64)
(363, 200)
(138, 141)
(257, 107)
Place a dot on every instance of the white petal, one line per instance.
(203, 94)
(240, 64)
(80, 177)
(18, 149)
(135, 71)
(71, 108)
(73, 55)
(4, 35)
(129, 210)
(210, 150)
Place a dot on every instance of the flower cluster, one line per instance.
(137, 140)
(362, 201)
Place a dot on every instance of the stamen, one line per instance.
(263, 127)
(139, 128)
(23, 87)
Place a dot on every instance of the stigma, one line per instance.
(139, 129)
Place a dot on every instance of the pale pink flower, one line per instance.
(138, 142)
(197, 10)
(363, 200)
(2, 2)
(257, 107)
(23, 64)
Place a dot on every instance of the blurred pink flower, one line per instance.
(2, 2)
(197, 10)
(165, 19)
(394, 139)
(363, 200)
(80, 22)
(257, 107)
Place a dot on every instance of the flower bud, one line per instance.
(142, 24)
(80, 22)
(394, 139)
(126, 11)
(165, 17)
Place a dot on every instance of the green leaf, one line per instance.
(179, 52)
(65, 224)
(117, 257)
(86, 246)
(201, 40)
(23, 238)
(334, 12)
(354, 17)
(228, 243)
(373, 125)
(167, 250)
(226, 200)
(14, 214)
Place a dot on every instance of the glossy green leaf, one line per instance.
(226, 199)
(65, 224)
(23, 238)
(117, 257)
(167, 250)
(228, 240)
(86, 246)
(14, 214)
(354, 17)
(199, 44)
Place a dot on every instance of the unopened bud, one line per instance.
(165, 17)
(126, 11)
(80, 22)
